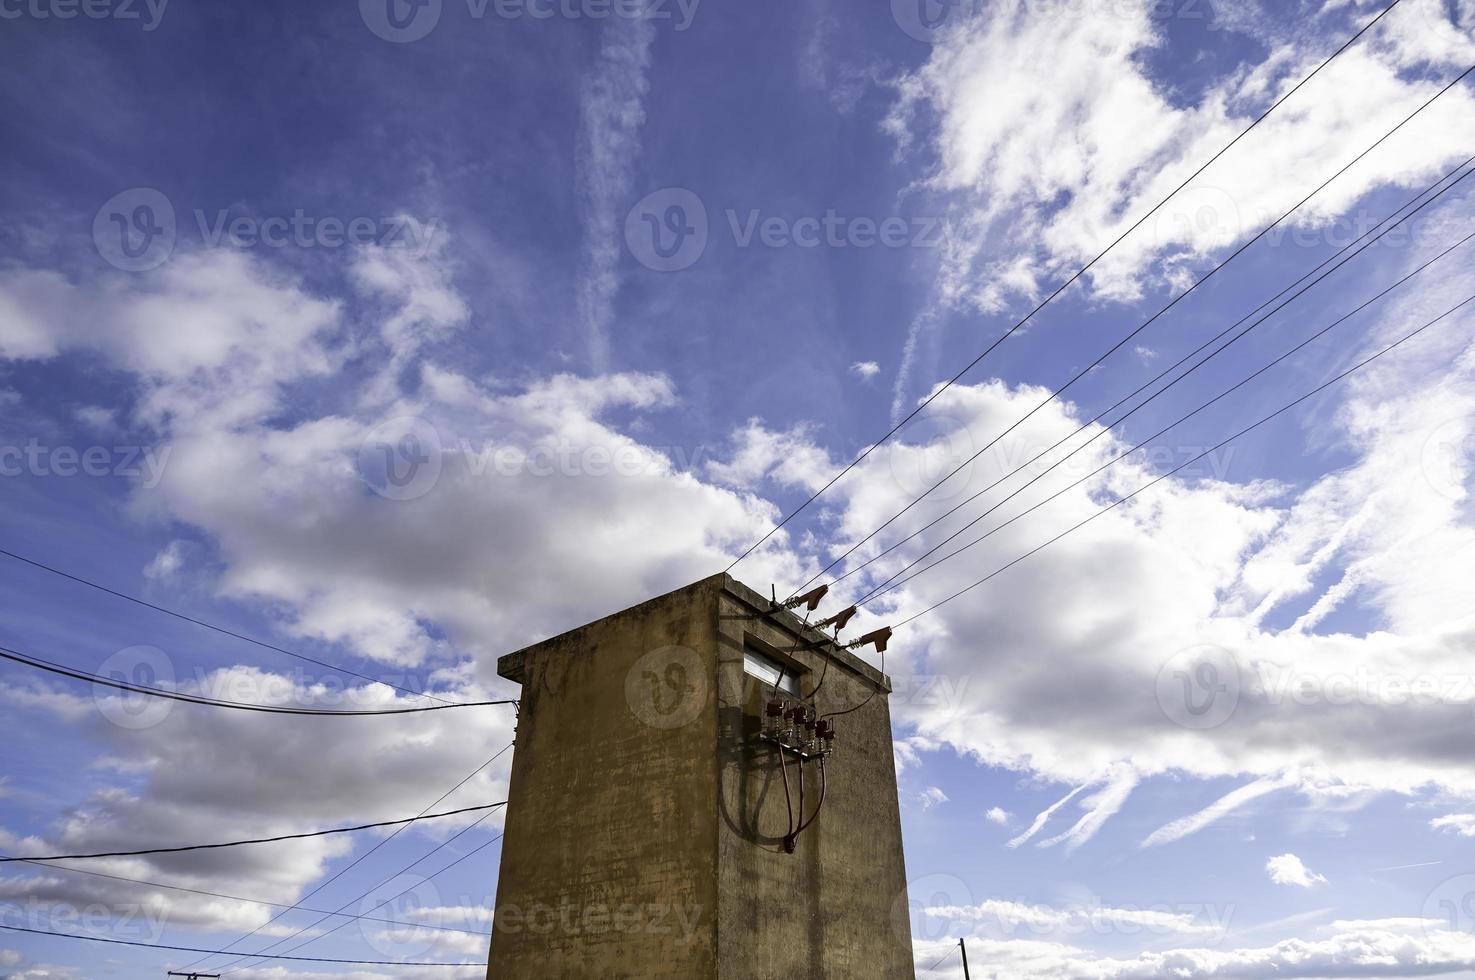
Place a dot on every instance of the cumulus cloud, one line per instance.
(1462, 824)
(997, 815)
(1050, 136)
(931, 797)
(865, 369)
(296, 507)
(1287, 869)
(1378, 949)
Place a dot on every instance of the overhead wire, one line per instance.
(231, 898)
(892, 582)
(1056, 393)
(260, 954)
(1117, 503)
(192, 949)
(246, 638)
(52, 667)
(1084, 426)
(1061, 289)
(258, 840)
(358, 860)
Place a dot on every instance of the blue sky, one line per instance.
(631, 289)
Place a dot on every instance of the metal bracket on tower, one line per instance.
(880, 638)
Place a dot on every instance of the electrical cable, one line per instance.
(1066, 285)
(445, 843)
(55, 668)
(358, 860)
(1117, 503)
(235, 898)
(208, 625)
(892, 582)
(1183, 360)
(191, 949)
(259, 840)
(1056, 393)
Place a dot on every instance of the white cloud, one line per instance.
(1287, 869)
(1051, 138)
(931, 797)
(1225, 805)
(865, 369)
(1361, 952)
(997, 815)
(167, 562)
(1462, 824)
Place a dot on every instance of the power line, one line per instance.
(259, 840)
(238, 898)
(1066, 285)
(1128, 338)
(356, 861)
(1282, 410)
(192, 949)
(1377, 235)
(55, 668)
(208, 625)
(887, 585)
(376, 908)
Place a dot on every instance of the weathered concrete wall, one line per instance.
(644, 832)
(608, 864)
(837, 907)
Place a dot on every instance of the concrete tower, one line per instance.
(648, 830)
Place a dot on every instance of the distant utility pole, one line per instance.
(196, 976)
(963, 945)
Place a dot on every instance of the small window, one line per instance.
(770, 671)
